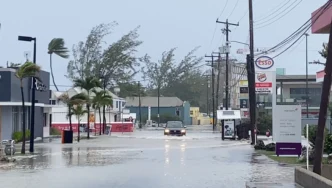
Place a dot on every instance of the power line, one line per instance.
(300, 31)
(233, 9)
(276, 9)
(277, 15)
(223, 8)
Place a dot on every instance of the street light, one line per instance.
(32, 118)
(306, 74)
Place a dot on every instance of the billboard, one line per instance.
(244, 103)
(263, 82)
(287, 129)
(320, 76)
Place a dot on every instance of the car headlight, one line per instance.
(183, 131)
(166, 131)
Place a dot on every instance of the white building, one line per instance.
(60, 110)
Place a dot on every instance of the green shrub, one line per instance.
(328, 144)
(55, 131)
(264, 123)
(18, 136)
(312, 133)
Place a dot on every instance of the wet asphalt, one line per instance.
(144, 159)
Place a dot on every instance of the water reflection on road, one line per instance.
(197, 161)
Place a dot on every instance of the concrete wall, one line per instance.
(308, 179)
(6, 122)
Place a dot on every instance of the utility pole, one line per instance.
(319, 142)
(139, 104)
(213, 94)
(207, 93)
(158, 93)
(227, 30)
(251, 76)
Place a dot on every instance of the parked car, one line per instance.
(175, 128)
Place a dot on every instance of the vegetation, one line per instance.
(18, 136)
(55, 131)
(101, 99)
(57, 47)
(78, 111)
(27, 70)
(264, 123)
(176, 78)
(87, 84)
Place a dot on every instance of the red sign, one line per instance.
(320, 76)
(267, 84)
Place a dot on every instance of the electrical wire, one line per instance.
(276, 9)
(300, 31)
(233, 9)
(262, 26)
(223, 9)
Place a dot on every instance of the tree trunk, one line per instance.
(69, 116)
(88, 123)
(104, 119)
(99, 121)
(51, 68)
(78, 134)
(24, 126)
(319, 143)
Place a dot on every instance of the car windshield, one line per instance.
(174, 124)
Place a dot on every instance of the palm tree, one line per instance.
(88, 84)
(70, 101)
(78, 111)
(27, 70)
(100, 99)
(57, 46)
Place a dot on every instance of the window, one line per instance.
(123, 103)
(52, 102)
(191, 112)
(117, 104)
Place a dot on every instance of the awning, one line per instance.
(228, 114)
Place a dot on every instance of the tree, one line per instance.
(324, 51)
(182, 79)
(70, 102)
(100, 99)
(130, 89)
(27, 70)
(78, 111)
(115, 63)
(88, 84)
(57, 47)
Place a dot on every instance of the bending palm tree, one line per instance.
(70, 102)
(100, 99)
(78, 111)
(88, 84)
(27, 70)
(57, 46)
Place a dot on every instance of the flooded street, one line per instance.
(144, 159)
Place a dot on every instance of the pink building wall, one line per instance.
(322, 25)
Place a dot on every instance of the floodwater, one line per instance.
(144, 159)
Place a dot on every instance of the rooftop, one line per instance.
(153, 101)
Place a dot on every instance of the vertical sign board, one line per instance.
(229, 128)
(287, 133)
(265, 81)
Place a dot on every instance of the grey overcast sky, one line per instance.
(184, 24)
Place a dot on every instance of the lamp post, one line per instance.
(117, 91)
(306, 74)
(33, 100)
(104, 107)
